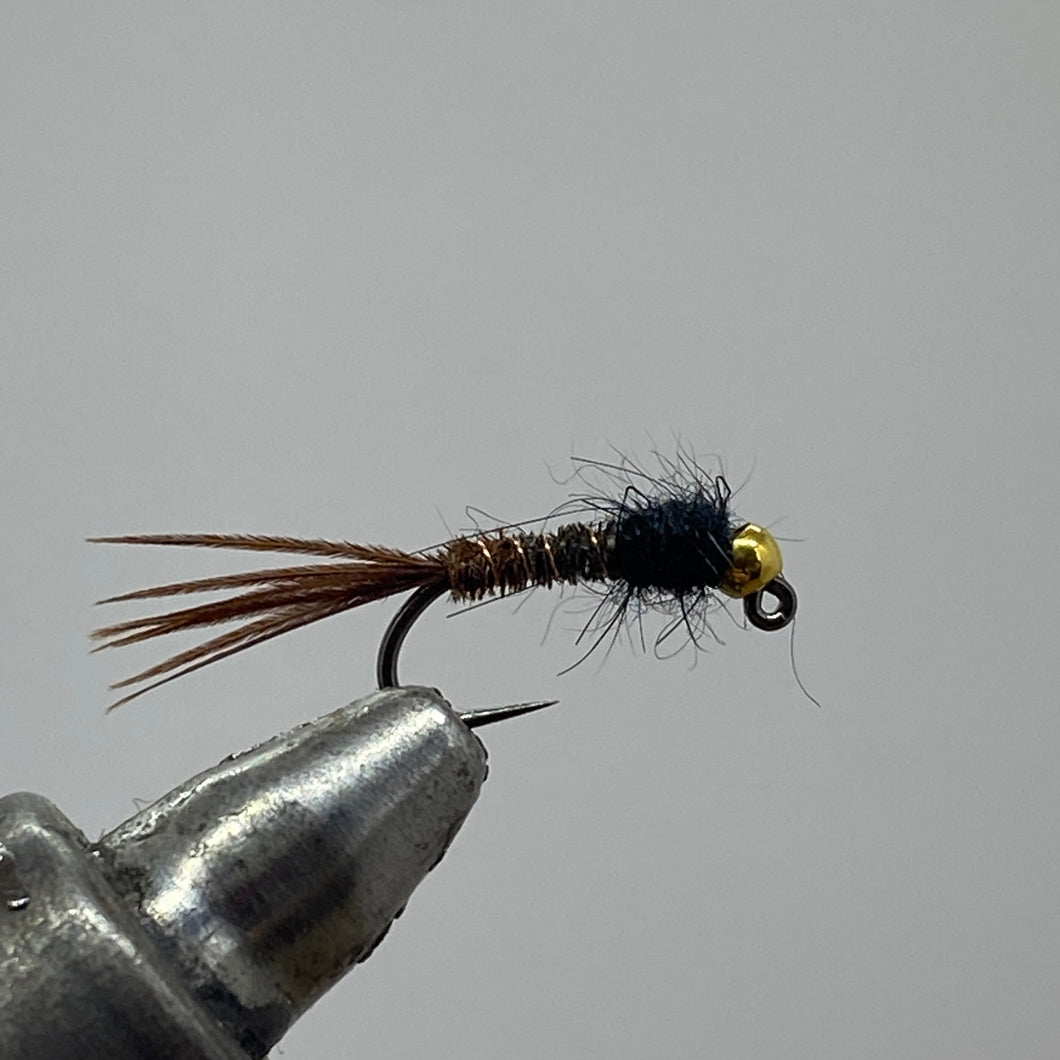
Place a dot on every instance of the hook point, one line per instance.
(474, 719)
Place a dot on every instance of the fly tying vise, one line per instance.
(670, 546)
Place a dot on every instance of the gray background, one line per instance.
(341, 270)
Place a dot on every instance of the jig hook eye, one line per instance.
(787, 602)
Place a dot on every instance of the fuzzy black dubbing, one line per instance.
(675, 544)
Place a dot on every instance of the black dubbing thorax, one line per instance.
(675, 545)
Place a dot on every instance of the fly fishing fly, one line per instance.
(667, 543)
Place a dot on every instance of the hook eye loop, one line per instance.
(787, 602)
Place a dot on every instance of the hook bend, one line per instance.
(386, 673)
(390, 647)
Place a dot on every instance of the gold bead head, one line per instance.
(755, 561)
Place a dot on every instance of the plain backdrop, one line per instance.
(342, 270)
